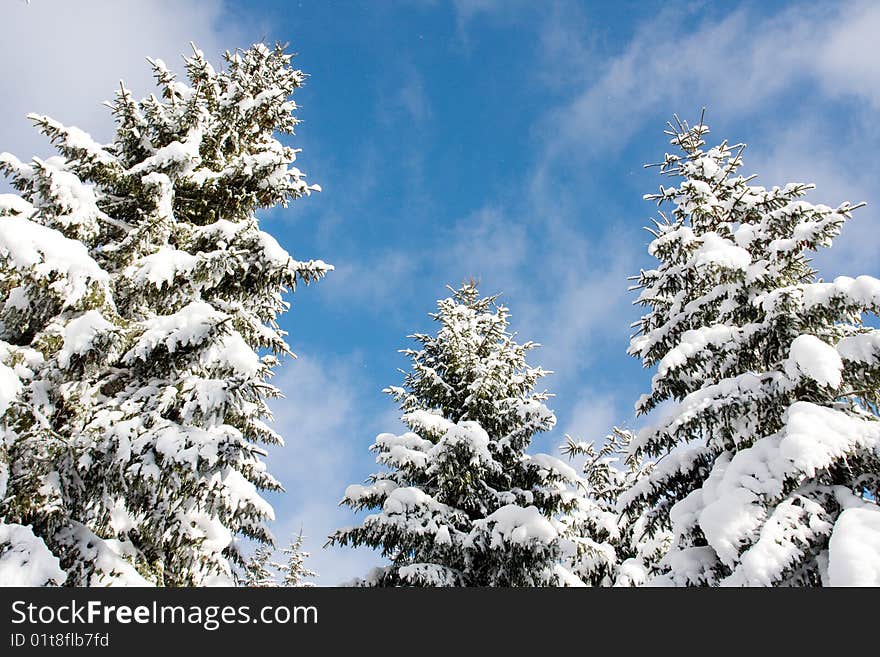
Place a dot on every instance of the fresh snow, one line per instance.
(406, 450)
(468, 436)
(182, 155)
(25, 560)
(188, 326)
(357, 492)
(518, 525)
(162, 267)
(12, 204)
(729, 508)
(10, 387)
(854, 548)
(273, 251)
(716, 250)
(140, 325)
(817, 360)
(551, 464)
(692, 343)
(80, 333)
(433, 424)
(862, 348)
(44, 252)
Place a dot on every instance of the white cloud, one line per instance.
(844, 58)
(412, 97)
(64, 58)
(568, 46)
(775, 78)
(582, 303)
(468, 10)
(486, 245)
(737, 64)
(591, 417)
(373, 282)
(328, 423)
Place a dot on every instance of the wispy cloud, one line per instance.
(411, 99)
(63, 58)
(374, 281)
(487, 244)
(739, 63)
(592, 416)
(467, 11)
(328, 419)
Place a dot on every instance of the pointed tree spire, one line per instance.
(294, 571)
(462, 503)
(770, 378)
(140, 328)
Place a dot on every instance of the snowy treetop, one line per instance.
(768, 373)
(140, 323)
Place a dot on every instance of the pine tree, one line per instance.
(609, 548)
(772, 434)
(257, 573)
(462, 503)
(139, 327)
(294, 571)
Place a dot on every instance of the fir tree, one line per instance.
(608, 548)
(772, 435)
(462, 504)
(257, 573)
(138, 330)
(293, 571)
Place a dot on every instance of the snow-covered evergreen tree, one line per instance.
(609, 548)
(294, 571)
(462, 504)
(261, 572)
(772, 433)
(138, 326)
(257, 570)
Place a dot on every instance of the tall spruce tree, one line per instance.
(462, 503)
(772, 435)
(138, 330)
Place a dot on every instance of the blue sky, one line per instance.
(490, 138)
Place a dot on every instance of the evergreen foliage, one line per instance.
(609, 548)
(462, 503)
(771, 436)
(138, 332)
